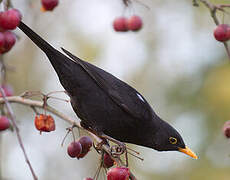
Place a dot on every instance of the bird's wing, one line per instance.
(121, 93)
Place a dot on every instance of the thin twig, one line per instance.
(39, 104)
(12, 118)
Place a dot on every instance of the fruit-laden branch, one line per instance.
(40, 104)
(213, 9)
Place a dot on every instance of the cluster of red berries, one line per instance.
(222, 32)
(49, 5)
(226, 129)
(9, 20)
(78, 149)
(122, 24)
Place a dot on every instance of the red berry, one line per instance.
(10, 19)
(108, 161)
(86, 144)
(222, 32)
(88, 178)
(4, 123)
(118, 173)
(7, 41)
(44, 123)
(7, 89)
(10, 40)
(74, 149)
(134, 23)
(49, 5)
(226, 129)
(120, 24)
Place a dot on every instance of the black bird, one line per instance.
(107, 105)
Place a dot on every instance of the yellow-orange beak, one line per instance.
(188, 151)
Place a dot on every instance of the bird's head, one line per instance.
(166, 138)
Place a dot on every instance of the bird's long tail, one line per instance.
(41, 43)
(61, 63)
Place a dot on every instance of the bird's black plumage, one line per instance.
(106, 104)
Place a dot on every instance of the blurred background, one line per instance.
(174, 62)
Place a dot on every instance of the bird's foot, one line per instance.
(118, 149)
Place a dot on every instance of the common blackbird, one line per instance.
(107, 105)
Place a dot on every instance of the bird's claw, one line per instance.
(118, 150)
(115, 150)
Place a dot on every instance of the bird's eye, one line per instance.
(172, 140)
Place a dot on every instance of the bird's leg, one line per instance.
(115, 150)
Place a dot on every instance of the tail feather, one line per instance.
(40, 42)
(61, 63)
(70, 70)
